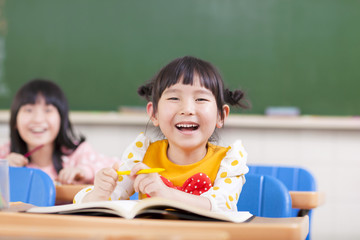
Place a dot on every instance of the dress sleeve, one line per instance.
(132, 155)
(229, 180)
(87, 159)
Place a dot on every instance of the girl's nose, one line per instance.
(38, 115)
(187, 108)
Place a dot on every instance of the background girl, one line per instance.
(39, 117)
(187, 101)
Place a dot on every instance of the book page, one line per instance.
(186, 211)
(120, 208)
(158, 208)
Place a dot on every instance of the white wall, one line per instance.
(333, 156)
(330, 151)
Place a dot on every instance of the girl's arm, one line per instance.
(81, 166)
(124, 184)
(227, 187)
(105, 183)
(225, 193)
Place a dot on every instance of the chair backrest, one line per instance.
(32, 186)
(294, 178)
(265, 196)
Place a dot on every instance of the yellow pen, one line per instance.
(142, 171)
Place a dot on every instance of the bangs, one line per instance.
(32, 95)
(184, 70)
(31, 92)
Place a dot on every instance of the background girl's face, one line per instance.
(187, 115)
(38, 123)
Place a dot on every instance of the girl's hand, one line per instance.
(71, 175)
(17, 160)
(149, 183)
(104, 185)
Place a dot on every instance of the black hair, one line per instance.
(53, 95)
(184, 69)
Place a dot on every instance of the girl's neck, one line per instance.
(43, 156)
(182, 156)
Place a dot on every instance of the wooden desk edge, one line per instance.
(307, 200)
(23, 224)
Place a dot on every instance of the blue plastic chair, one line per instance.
(135, 196)
(32, 186)
(294, 178)
(265, 196)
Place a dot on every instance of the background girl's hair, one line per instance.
(53, 95)
(185, 69)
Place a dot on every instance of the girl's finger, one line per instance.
(115, 166)
(137, 180)
(137, 168)
(109, 172)
(144, 185)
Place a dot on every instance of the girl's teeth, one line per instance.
(37, 129)
(186, 125)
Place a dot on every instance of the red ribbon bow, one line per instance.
(196, 184)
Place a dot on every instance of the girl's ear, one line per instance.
(226, 111)
(150, 112)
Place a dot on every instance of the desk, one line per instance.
(306, 200)
(45, 226)
(66, 193)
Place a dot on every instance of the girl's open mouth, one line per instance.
(187, 127)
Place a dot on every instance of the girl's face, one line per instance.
(38, 123)
(187, 115)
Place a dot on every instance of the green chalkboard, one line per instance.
(282, 52)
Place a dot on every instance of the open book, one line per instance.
(154, 208)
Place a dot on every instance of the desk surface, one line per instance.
(44, 226)
(307, 200)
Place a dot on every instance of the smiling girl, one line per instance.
(187, 101)
(39, 117)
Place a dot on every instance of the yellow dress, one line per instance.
(225, 168)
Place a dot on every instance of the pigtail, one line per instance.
(236, 98)
(146, 91)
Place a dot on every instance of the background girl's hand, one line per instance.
(71, 175)
(17, 160)
(149, 183)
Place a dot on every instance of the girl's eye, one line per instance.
(49, 108)
(27, 109)
(202, 100)
(173, 98)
